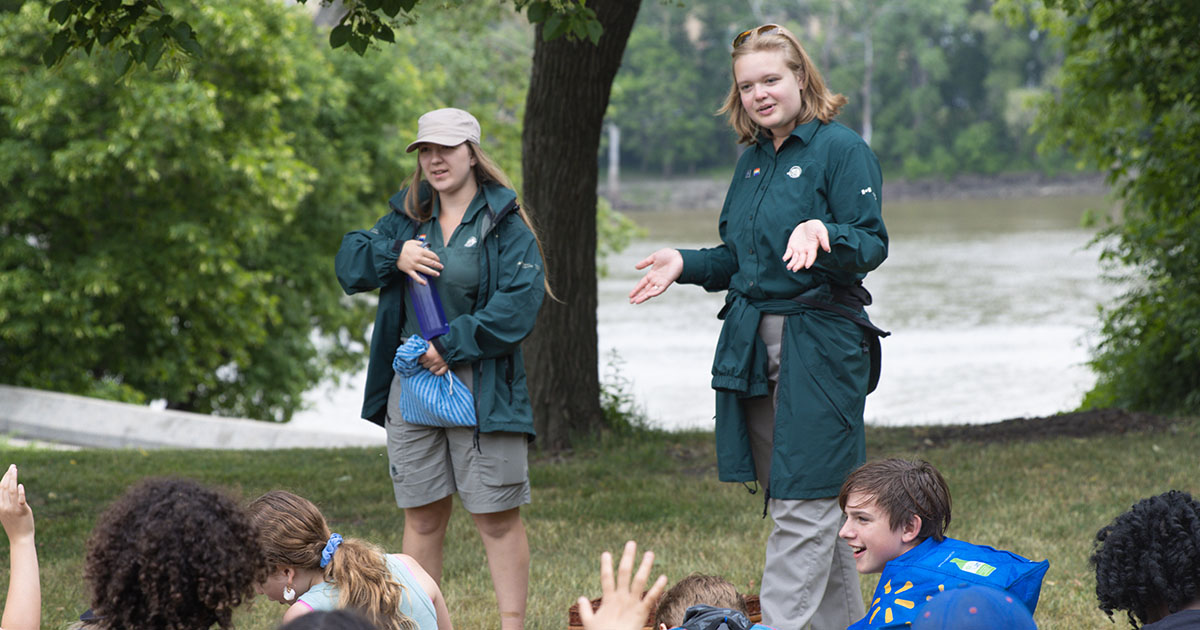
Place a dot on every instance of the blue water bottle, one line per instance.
(427, 304)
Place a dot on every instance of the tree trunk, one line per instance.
(564, 110)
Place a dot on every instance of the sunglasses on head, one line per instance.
(765, 29)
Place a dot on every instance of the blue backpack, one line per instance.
(932, 567)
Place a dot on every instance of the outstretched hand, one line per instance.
(623, 606)
(15, 514)
(23, 605)
(665, 267)
(802, 245)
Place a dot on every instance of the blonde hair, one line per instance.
(694, 590)
(816, 100)
(293, 533)
(486, 171)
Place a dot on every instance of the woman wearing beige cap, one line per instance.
(482, 254)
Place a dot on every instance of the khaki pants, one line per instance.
(809, 575)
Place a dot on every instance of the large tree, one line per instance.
(1127, 102)
(564, 110)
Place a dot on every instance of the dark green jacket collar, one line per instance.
(500, 201)
(803, 132)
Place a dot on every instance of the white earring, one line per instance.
(289, 593)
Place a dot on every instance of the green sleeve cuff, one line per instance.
(694, 267)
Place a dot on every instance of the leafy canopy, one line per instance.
(143, 29)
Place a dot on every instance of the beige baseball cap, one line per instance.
(448, 127)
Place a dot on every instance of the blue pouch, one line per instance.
(426, 399)
(932, 567)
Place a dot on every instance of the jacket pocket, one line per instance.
(831, 349)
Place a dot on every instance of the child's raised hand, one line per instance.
(15, 514)
(623, 607)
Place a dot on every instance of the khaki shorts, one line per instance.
(430, 463)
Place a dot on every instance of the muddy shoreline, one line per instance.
(649, 193)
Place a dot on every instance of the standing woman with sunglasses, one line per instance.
(800, 228)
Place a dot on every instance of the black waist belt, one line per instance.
(854, 297)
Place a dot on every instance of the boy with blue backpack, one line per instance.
(897, 512)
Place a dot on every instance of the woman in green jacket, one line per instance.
(800, 228)
(490, 275)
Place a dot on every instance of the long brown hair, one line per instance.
(816, 100)
(486, 171)
(293, 533)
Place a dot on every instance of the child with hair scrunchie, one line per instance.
(313, 568)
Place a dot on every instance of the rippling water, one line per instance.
(992, 305)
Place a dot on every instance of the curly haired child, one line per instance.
(1147, 563)
(171, 554)
(312, 568)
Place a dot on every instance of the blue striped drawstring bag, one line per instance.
(428, 400)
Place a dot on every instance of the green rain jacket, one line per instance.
(822, 171)
(511, 288)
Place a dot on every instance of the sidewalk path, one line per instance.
(90, 422)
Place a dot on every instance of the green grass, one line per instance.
(1042, 499)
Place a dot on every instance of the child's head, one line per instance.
(296, 541)
(693, 590)
(1148, 559)
(170, 553)
(891, 506)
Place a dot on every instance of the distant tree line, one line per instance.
(938, 87)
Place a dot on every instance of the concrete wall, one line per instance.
(82, 421)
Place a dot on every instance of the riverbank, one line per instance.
(638, 193)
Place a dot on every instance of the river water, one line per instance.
(992, 305)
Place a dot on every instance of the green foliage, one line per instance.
(1127, 103)
(170, 236)
(667, 129)
(947, 82)
(621, 411)
(143, 29)
(572, 18)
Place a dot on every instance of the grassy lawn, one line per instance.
(1042, 499)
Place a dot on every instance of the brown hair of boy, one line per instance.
(694, 590)
(293, 533)
(903, 489)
